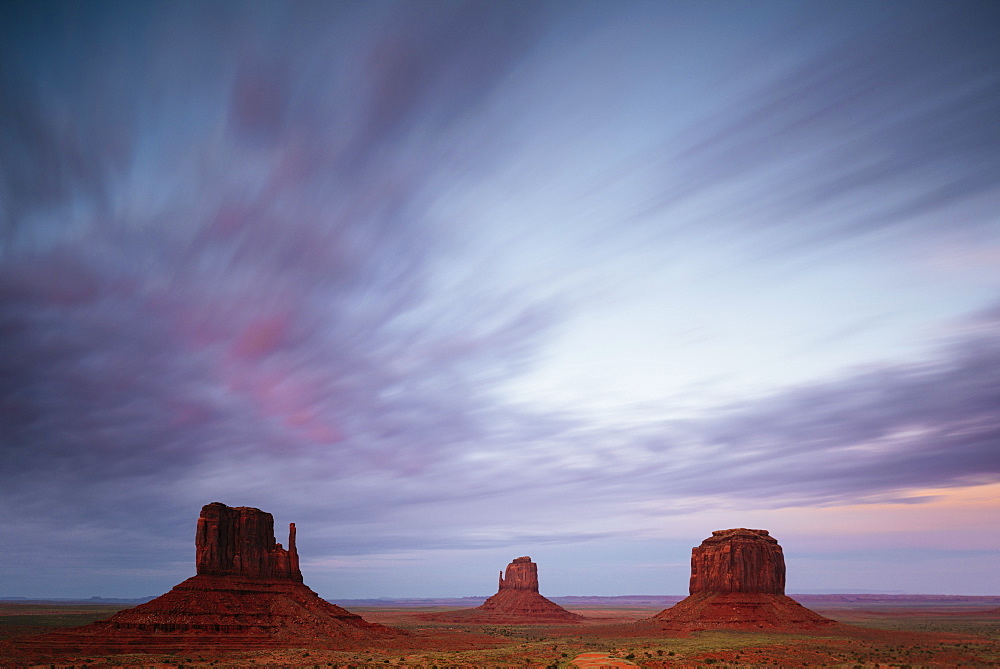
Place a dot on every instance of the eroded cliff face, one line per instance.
(738, 560)
(738, 582)
(248, 594)
(239, 541)
(522, 574)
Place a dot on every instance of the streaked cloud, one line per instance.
(464, 279)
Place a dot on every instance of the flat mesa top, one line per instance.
(236, 508)
(739, 532)
(521, 559)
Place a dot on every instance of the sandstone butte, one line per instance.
(248, 594)
(738, 581)
(517, 601)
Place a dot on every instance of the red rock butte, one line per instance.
(738, 560)
(738, 581)
(247, 594)
(240, 542)
(517, 601)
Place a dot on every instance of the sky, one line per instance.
(448, 283)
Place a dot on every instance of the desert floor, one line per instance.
(898, 635)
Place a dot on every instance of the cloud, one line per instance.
(852, 143)
(244, 301)
(231, 269)
(869, 435)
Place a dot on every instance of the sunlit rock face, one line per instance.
(738, 582)
(738, 560)
(239, 541)
(522, 574)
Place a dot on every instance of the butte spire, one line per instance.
(240, 542)
(738, 581)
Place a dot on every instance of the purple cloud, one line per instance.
(232, 267)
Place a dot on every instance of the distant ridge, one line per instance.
(89, 600)
(568, 600)
(874, 597)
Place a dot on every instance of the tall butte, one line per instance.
(240, 542)
(738, 581)
(248, 594)
(517, 601)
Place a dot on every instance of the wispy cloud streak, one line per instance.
(270, 254)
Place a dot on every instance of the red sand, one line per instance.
(221, 613)
(738, 610)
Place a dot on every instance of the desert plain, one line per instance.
(875, 630)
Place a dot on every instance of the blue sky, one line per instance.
(448, 283)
